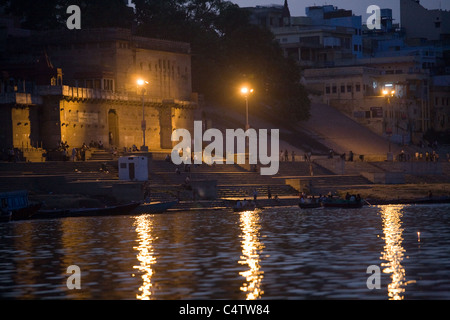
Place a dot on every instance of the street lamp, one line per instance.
(245, 91)
(141, 83)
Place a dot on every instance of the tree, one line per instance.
(51, 14)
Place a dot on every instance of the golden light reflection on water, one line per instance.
(393, 251)
(144, 227)
(251, 247)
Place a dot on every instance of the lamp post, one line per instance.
(141, 83)
(387, 94)
(245, 91)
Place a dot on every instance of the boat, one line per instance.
(310, 205)
(121, 209)
(342, 203)
(16, 206)
(242, 209)
(153, 207)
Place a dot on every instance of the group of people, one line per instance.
(78, 154)
(284, 156)
(303, 198)
(353, 198)
(427, 156)
(95, 144)
(244, 204)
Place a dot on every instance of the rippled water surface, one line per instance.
(278, 253)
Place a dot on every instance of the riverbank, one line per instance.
(402, 193)
(375, 195)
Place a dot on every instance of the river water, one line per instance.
(276, 253)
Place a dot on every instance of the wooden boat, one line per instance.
(242, 209)
(342, 203)
(153, 207)
(16, 205)
(310, 205)
(86, 212)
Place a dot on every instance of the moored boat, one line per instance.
(242, 209)
(153, 207)
(342, 203)
(122, 209)
(16, 206)
(310, 205)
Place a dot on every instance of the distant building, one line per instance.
(423, 24)
(329, 15)
(272, 16)
(325, 35)
(81, 85)
(390, 96)
(440, 101)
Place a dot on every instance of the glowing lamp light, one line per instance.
(246, 90)
(141, 82)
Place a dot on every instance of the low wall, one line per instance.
(384, 177)
(34, 184)
(335, 165)
(412, 167)
(301, 184)
(130, 191)
(205, 189)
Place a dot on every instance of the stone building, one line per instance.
(390, 104)
(81, 85)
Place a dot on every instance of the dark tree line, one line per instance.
(226, 49)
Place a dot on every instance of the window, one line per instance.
(349, 88)
(327, 90)
(342, 88)
(358, 87)
(108, 84)
(334, 89)
(97, 84)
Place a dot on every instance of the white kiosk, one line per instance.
(133, 168)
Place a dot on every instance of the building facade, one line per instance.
(89, 89)
(325, 35)
(421, 23)
(395, 105)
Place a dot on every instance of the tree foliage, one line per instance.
(226, 49)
